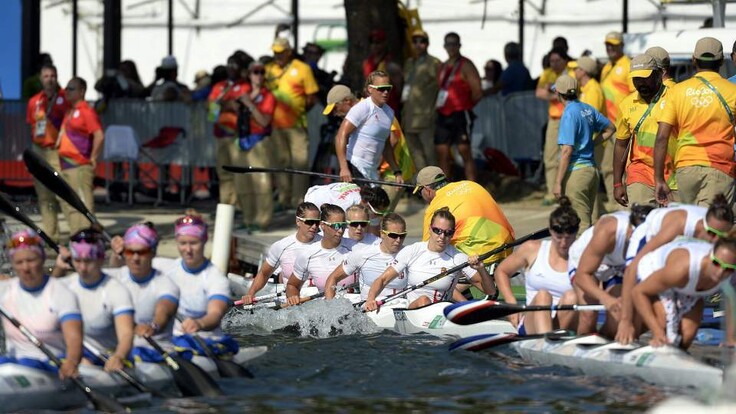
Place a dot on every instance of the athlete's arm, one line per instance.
(72, 332)
(377, 287)
(518, 260)
(335, 277)
(98, 137)
(481, 275)
(216, 309)
(124, 326)
(259, 281)
(293, 286)
(602, 242)
(471, 75)
(341, 148)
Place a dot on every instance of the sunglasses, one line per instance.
(393, 235)
(193, 220)
(141, 252)
(452, 44)
(258, 72)
(358, 223)
(24, 241)
(564, 230)
(440, 232)
(419, 40)
(715, 232)
(382, 88)
(308, 222)
(376, 212)
(337, 226)
(720, 263)
(86, 237)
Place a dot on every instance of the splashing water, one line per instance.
(317, 318)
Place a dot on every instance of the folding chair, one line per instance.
(121, 145)
(165, 149)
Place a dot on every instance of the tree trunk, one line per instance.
(363, 17)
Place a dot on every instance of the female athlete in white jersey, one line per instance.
(423, 260)
(370, 262)
(357, 234)
(674, 279)
(662, 226)
(315, 263)
(544, 265)
(106, 305)
(282, 254)
(43, 305)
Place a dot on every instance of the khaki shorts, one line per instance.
(698, 185)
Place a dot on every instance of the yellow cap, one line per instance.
(280, 44)
(336, 94)
(614, 38)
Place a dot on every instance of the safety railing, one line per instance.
(512, 124)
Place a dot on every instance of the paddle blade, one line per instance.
(474, 311)
(479, 342)
(192, 380)
(51, 179)
(100, 401)
(231, 369)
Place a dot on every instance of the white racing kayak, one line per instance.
(431, 319)
(25, 388)
(595, 355)
(384, 316)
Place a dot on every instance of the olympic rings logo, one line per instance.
(701, 101)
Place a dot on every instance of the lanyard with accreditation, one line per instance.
(724, 103)
(643, 117)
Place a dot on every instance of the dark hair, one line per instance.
(560, 42)
(81, 82)
(639, 213)
(452, 34)
(496, 69)
(713, 65)
(733, 48)
(304, 207)
(392, 218)
(49, 66)
(512, 51)
(560, 52)
(444, 213)
(376, 196)
(728, 242)
(219, 73)
(326, 210)
(564, 217)
(720, 209)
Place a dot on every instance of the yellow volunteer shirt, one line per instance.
(546, 80)
(616, 85)
(669, 82)
(703, 130)
(290, 85)
(480, 224)
(641, 155)
(402, 154)
(592, 94)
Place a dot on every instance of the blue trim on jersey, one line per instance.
(219, 297)
(144, 280)
(196, 270)
(29, 362)
(92, 286)
(71, 317)
(616, 280)
(37, 288)
(170, 298)
(126, 311)
(190, 313)
(521, 329)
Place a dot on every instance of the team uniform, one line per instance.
(100, 303)
(480, 225)
(611, 269)
(554, 112)
(369, 239)
(653, 224)
(146, 293)
(368, 264)
(42, 311)
(282, 255)
(314, 264)
(372, 130)
(419, 264)
(541, 276)
(341, 194)
(678, 301)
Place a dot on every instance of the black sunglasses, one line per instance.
(358, 223)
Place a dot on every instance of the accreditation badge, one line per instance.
(41, 127)
(441, 98)
(405, 93)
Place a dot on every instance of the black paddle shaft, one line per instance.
(246, 170)
(191, 380)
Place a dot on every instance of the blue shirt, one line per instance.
(515, 78)
(578, 125)
(732, 79)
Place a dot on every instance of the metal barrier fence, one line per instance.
(512, 124)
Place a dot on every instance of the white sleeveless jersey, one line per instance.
(340, 194)
(163, 264)
(100, 304)
(653, 224)
(541, 276)
(314, 264)
(146, 293)
(197, 287)
(282, 254)
(420, 264)
(613, 263)
(372, 130)
(42, 311)
(657, 259)
(368, 263)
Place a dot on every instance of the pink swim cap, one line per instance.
(87, 244)
(26, 239)
(191, 226)
(142, 234)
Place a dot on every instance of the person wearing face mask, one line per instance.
(544, 266)
(204, 290)
(315, 263)
(426, 259)
(674, 279)
(282, 254)
(43, 305)
(370, 262)
(106, 305)
(635, 133)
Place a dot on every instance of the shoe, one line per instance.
(547, 202)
